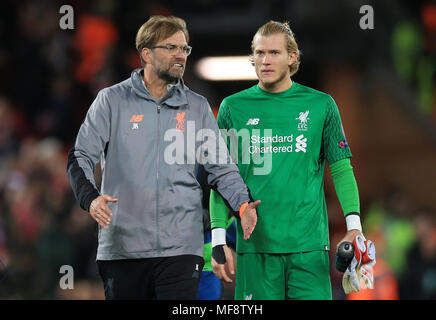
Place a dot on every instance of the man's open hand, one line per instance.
(99, 210)
(249, 219)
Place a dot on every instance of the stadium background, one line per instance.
(383, 81)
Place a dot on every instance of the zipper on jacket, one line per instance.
(157, 180)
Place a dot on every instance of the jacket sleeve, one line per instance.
(91, 142)
(223, 174)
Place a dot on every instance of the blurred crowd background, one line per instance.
(383, 81)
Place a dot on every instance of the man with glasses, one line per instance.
(149, 132)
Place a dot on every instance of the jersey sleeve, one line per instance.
(218, 211)
(345, 186)
(335, 145)
(223, 119)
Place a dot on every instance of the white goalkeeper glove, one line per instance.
(368, 262)
(361, 266)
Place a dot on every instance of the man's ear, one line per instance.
(145, 54)
(293, 56)
(251, 59)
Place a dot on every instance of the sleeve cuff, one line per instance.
(218, 237)
(88, 200)
(242, 209)
(353, 222)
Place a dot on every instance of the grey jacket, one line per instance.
(150, 150)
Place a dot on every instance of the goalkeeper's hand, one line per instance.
(361, 266)
(221, 255)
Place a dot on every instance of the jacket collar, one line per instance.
(176, 95)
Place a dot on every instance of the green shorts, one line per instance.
(299, 276)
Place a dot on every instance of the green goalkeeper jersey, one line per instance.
(280, 142)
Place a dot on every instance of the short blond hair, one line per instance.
(274, 27)
(156, 29)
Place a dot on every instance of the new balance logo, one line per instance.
(252, 121)
(136, 119)
(301, 143)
